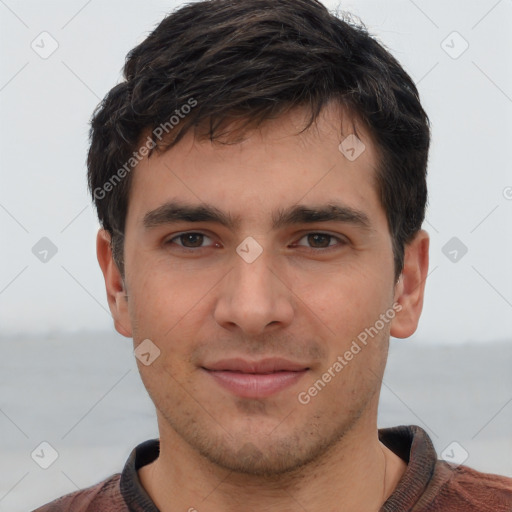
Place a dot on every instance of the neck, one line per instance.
(359, 473)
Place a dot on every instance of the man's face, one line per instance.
(215, 313)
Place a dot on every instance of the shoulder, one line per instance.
(430, 484)
(469, 490)
(105, 495)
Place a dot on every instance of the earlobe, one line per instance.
(410, 288)
(114, 285)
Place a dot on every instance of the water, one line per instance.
(82, 394)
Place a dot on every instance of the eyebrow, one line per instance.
(175, 211)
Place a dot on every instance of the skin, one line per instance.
(297, 300)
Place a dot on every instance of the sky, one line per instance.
(59, 59)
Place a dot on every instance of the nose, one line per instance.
(254, 297)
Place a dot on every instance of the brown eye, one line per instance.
(188, 240)
(322, 241)
(319, 241)
(192, 239)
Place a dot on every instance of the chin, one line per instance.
(262, 457)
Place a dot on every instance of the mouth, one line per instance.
(255, 379)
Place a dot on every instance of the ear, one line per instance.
(116, 293)
(409, 290)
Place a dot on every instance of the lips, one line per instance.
(258, 367)
(255, 379)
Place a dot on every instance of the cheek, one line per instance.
(169, 308)
(158, 293)
(346, 301)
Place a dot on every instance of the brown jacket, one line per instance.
(428, 484)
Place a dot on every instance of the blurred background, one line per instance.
(68, 379)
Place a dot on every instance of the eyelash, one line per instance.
(329, 248)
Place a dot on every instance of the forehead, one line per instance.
(273, 166)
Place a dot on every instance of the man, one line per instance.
(260, 177)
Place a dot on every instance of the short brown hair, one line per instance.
(254, 60)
